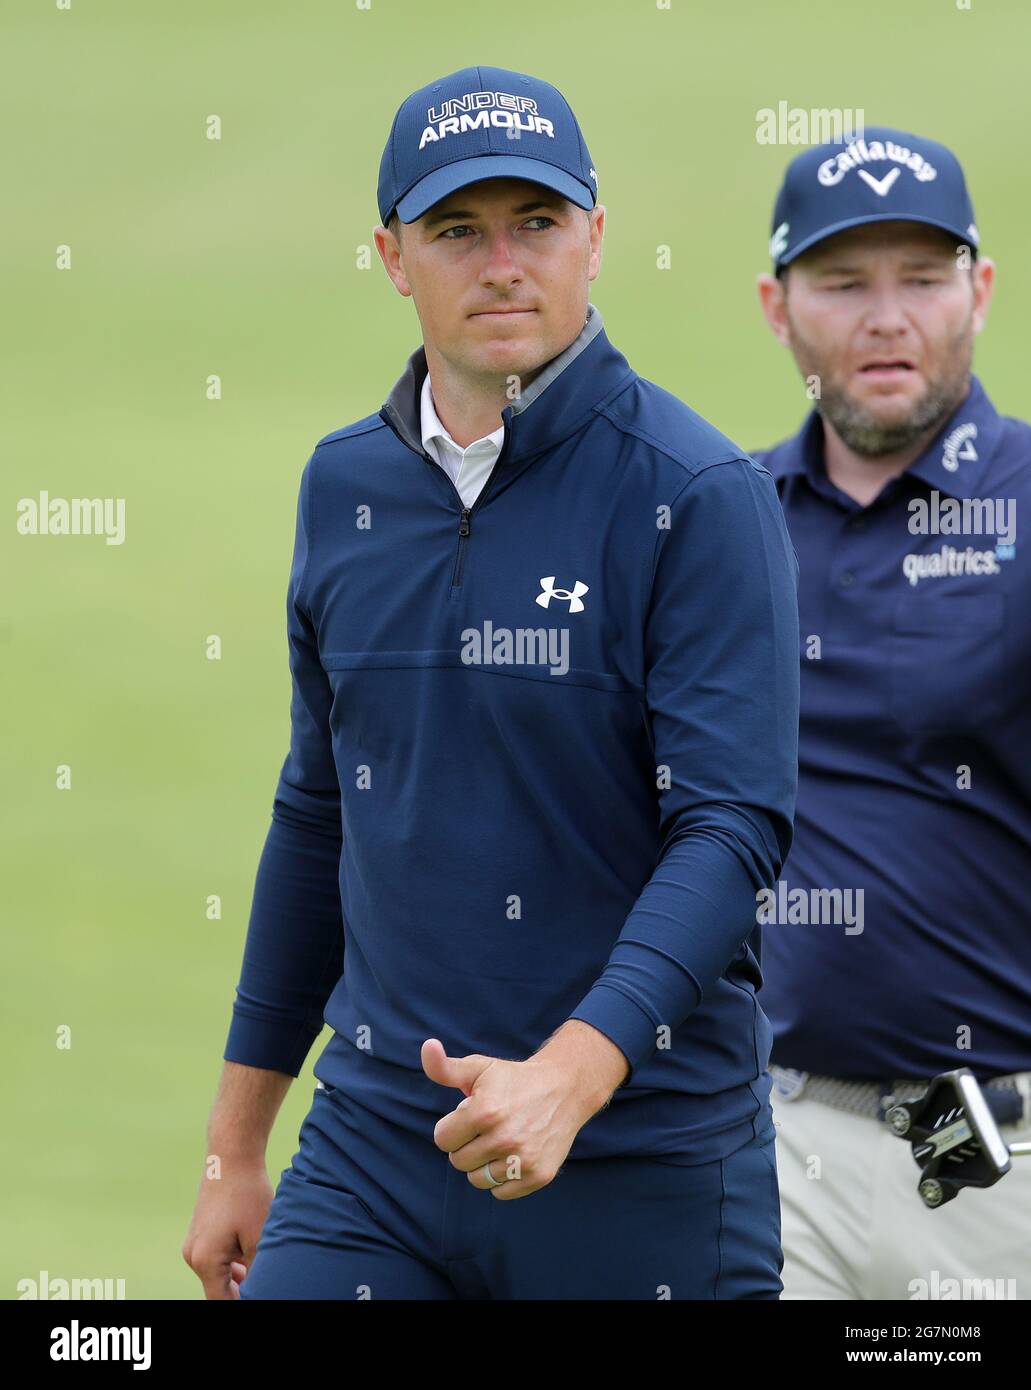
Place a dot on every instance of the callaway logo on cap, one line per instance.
(482, 123)
(884, 176)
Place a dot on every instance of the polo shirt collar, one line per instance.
(954, 462)
(559, 400)
(957, 459)
(432, 427)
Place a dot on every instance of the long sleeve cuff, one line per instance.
(294, 951)
(257, 1041)
(623, 1021)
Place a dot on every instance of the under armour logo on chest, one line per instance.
(571, 596)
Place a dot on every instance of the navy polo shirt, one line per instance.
(914, 763)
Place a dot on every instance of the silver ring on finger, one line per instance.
(485, 1170)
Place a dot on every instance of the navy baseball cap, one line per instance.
(883, 176)
(482, 123)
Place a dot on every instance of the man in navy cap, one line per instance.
(533, 789)
(898, 941)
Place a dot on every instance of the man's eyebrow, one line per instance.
(449, 214)
(431, 219)
(918, 261)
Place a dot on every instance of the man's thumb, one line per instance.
(457, 1072)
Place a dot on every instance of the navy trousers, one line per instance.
(369, 1209)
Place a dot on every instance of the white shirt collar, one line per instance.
(432, 428)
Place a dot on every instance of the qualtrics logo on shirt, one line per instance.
(949, 561)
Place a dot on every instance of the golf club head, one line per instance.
(955, 1139)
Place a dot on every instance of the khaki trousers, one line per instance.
(853, 1225)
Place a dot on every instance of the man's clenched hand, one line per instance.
(522, 1117)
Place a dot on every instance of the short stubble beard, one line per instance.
(859, 427)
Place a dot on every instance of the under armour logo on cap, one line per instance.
(482, 123)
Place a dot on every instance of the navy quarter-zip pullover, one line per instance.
(542, 759)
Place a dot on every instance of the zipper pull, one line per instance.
(463, 526)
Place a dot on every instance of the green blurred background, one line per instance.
(192, 257)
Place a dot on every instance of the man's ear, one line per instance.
(390, 254)
(984, 286)
(772, 297)
(596, 230)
